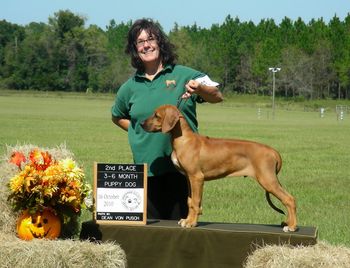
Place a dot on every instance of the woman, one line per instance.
(159, 80)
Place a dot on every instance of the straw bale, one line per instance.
(42, 253)
(321, 255)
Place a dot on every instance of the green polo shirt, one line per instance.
(137, 99)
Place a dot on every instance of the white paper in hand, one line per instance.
(205, 80)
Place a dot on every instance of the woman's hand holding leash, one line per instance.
(191, 88)
(208, 91)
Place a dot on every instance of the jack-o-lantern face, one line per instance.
(43, 224)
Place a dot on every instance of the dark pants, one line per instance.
(167, 197)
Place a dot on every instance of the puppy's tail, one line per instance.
(268, 199)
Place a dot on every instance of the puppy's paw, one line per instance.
(287, 228)
(182, 222)
(185, 223)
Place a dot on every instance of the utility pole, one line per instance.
(274, 70)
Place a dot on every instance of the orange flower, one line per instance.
(46, 181)
(40, 160)
(17, 158)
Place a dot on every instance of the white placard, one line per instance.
(120, 193)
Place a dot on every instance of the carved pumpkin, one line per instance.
(43, 224)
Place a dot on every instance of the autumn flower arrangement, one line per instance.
(44, 182)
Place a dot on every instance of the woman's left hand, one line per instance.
(192, 87)
(210, 94)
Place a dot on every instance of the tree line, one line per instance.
(65, 55)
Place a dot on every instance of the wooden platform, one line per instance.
(165, 244)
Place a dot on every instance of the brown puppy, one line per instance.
(202, 158)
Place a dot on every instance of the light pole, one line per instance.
(274, 70)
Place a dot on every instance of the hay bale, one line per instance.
(42, 253)
(320, 255)
(7, 216)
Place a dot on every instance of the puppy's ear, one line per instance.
(171, 117)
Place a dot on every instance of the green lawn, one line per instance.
(315, 151)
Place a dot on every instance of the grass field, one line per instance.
(315, 151)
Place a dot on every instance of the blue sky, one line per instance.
(167, 12)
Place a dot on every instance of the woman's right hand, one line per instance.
(121, 122)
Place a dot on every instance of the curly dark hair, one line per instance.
(167, 49)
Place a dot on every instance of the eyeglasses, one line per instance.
(150, 40)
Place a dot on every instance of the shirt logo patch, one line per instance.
(170, 82)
